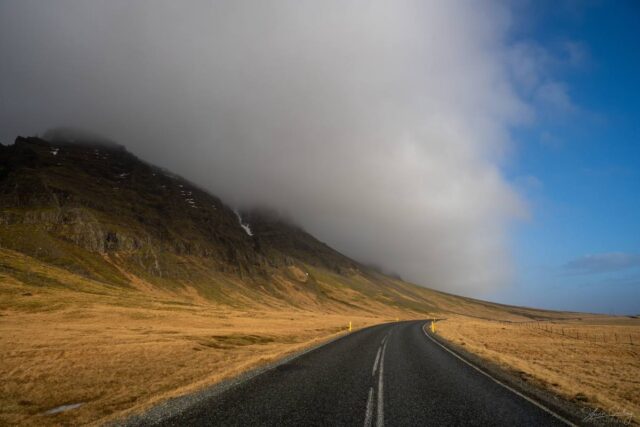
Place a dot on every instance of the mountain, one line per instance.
(85, 207)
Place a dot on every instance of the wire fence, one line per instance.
(569, 331)
(551, 326)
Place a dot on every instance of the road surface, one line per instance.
(389, 374)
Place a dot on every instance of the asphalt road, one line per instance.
(390, 375)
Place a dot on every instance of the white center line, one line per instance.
(375, 364)
(380, 417)
(380, 403)
(369, 414)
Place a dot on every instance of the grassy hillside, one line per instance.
(98, 213)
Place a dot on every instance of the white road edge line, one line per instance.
(375, 364)
(380, 417)
(511, 389)
(369, 413)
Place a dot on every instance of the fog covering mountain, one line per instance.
(83, 214)
(83, 217)
(380, 127)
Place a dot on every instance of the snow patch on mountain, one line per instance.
(244, 226)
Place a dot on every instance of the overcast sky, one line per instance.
(384, 128)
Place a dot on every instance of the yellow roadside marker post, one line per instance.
(433, 326)
(349, 325)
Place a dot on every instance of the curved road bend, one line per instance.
(388, 374)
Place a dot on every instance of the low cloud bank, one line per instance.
(380, 127)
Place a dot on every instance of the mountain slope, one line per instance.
(90, 208)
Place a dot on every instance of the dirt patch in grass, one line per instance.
(234, 340)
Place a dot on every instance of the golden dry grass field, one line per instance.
(600, 368)
(114, 359)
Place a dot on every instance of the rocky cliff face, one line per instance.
(63, 195)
